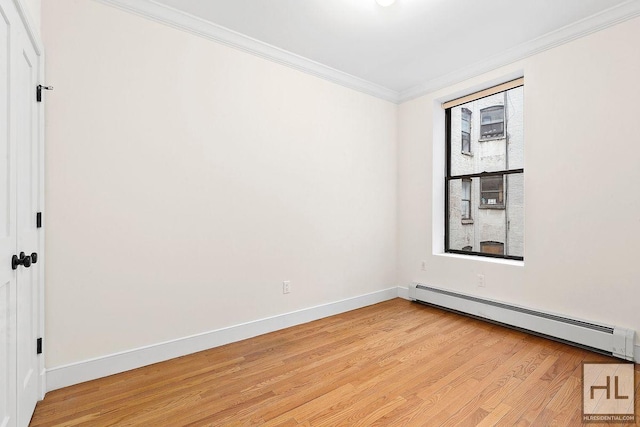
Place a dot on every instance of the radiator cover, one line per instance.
(611, 340)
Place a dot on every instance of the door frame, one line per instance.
(33, 33)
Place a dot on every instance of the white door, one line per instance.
(24, 84)
(8, 238)
(20, 168)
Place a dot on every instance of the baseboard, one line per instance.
(403, 293)
(87, 370)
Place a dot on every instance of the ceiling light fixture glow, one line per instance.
(385, 3)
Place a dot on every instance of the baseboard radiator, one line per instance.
(610, 340)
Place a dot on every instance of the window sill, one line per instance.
(467, 221)
(493, 138)
(467, 153)
(498, 207)
(511, 262)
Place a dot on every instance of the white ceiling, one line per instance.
(411, 42)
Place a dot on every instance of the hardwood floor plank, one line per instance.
(459, 372)
(315, 406)
(396, 363)
(495, 416)
(489, 386)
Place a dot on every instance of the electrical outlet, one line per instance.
(423, 266)
(481, 282)
(286, 287)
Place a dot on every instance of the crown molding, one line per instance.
(200, 27)
(186, 22)
(607, 18)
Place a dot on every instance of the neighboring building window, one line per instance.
(492, 122)
(484, 193)
(465, 205)
(495, 248)
(466, 130)
(492, 191)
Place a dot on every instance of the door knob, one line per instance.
(25, 260)
(21, 260)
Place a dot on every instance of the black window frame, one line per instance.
(449, 178)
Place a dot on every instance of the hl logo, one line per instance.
(608, 392)
(608, 388)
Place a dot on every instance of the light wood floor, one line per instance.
(393, 364)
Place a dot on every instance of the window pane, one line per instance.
(496, 248)
(514, 190)
(466, 189)
(465, 209)
(492, 190)
(502, 115)
(515, 127)
(466, 142)
(500, 225)
(461, 210)
(492, 130)
(466, 120)
(492, 183)
(466, 199)
(492, 115)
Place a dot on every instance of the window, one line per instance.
(465, 205)
(466, 130)
(492, 122)
(484, 193)
(492, 191)
(495, 248)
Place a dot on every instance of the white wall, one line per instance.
(186, 180)
(582, 210)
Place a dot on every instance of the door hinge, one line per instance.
(39, 220)
(39, 346)
(39, 89)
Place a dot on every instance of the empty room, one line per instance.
(319, 212)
